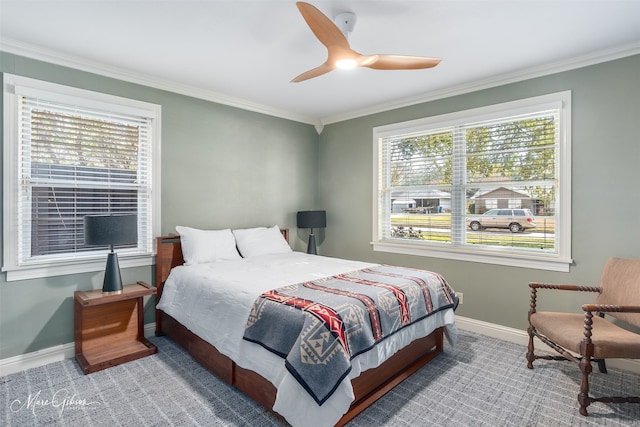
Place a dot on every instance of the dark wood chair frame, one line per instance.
(586, 348)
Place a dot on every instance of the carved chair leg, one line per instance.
(586, 349)
(532, 309)
(530, 356)
(583, 397)
(602, 367)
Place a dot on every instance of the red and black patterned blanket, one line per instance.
(319, 326)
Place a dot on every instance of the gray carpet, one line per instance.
(480, 382)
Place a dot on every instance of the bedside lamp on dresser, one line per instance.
(109, 322)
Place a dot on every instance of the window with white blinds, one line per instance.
(71, 153)
(487, 185)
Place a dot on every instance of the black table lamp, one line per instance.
(101, 230)
(312, 219)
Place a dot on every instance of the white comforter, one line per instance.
(213, 301)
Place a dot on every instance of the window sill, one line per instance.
(73, 267)
(482, 256)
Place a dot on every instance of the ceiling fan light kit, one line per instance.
(333, 35)
(346, 64)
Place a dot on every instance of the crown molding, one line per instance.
(50, 56)
(56, 58)
(494, 81)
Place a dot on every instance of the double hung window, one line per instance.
(71, 153)
(488, 185)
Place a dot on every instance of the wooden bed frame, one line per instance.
(368, 387)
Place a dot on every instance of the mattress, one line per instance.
(213, 300)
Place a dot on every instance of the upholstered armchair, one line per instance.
(589, 336)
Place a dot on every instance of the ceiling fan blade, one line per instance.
(324, 29)
(314, 72)
(399, 62)
(340, 54)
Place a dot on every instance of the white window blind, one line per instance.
(435, 176)
(76, 157)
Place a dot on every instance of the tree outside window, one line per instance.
(488, 179)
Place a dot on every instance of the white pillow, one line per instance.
(200, 246)
(260, 241)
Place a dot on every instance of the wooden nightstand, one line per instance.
(109, 329)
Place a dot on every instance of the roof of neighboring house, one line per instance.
(482, 193)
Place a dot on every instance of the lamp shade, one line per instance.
(100, 230)
(312, 219)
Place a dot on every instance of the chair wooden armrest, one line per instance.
(586, 348)
(602, 308)
(557, 286)
(564, 287)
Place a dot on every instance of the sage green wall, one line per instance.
(221, 167)
(605, 199)
(226, 167)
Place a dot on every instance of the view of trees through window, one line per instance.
(68, 153)
(488, 183)
(80, 165)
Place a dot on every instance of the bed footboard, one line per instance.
(370, 386)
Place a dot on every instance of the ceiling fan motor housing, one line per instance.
(346, 21)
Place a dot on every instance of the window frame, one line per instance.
(90, 261)
(559, 261)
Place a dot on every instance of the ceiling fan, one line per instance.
(340, 54)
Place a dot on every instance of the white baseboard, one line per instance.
(21, 362)
(42, 357)
(67, 351)
(520, 337)
(493, 330)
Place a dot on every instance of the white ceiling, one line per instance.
(245, 52)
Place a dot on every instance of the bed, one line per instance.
(214, 283)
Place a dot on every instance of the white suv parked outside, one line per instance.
(515, 220)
